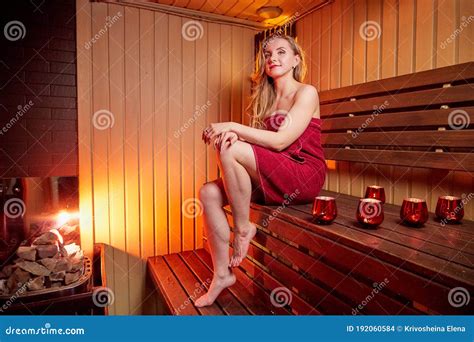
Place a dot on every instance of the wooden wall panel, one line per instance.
(140, 176)
(414, 36)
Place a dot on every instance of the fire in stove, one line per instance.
(49, 259)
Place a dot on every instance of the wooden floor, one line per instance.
(342, 268)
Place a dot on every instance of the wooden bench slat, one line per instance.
(324, 299)
(248, 293)
(169, 286)
(191, 284)
(298, 305)
(431, 97)
(418, 118)
(345, 285)
(434, 139)
(434, 160)
(449, 74)
(416, 261)
(432, 231)
(354, 253)
(225, 300)
(419, 246)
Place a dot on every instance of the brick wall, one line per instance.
(38, 101)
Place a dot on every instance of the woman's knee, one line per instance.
(233, 152)
(210, 193)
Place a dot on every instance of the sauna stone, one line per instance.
(47, 251)
(26, 253)
(34, 268)
(36, 284)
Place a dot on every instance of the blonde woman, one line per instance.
(279, 159)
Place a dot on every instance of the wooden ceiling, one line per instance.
(242, 11)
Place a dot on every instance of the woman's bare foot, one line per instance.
(217, 285)
(241, 243)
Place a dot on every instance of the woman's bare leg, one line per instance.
(218, 234)
(238, 166)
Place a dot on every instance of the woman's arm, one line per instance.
(291, 128)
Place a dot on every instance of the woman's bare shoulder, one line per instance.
(307, 90)
(310, 95)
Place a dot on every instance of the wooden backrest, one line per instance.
(425, 119)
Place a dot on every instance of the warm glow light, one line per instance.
(64, 217)
(331, 164)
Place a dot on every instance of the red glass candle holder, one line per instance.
(376, 192)
(324, 209)
(450, 209)
(414, 211)
(370, 212)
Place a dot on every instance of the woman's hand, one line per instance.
(225, 140)
(215, 129)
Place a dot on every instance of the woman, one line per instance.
(280, 157)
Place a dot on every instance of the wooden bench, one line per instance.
(415, 120)
(340, 268)
(343, 268)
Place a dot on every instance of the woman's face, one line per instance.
(279, 57)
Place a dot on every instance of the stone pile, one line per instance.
(46, 263)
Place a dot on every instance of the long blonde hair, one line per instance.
(263, 91)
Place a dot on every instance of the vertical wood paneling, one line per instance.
(325, 69)
(411, 39)
(406, 37)
(145, 148)
(132, 110)
(214, 86)
(309, 41)
(188, 141)
(248, 61)
(84, 99)
(140, 177)
(447, 23)
(174, 146)
(161, 136)
(315, 59)
(100, 136)
(116, 160)
(466, 36)
(201, 101)
(359, 54)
